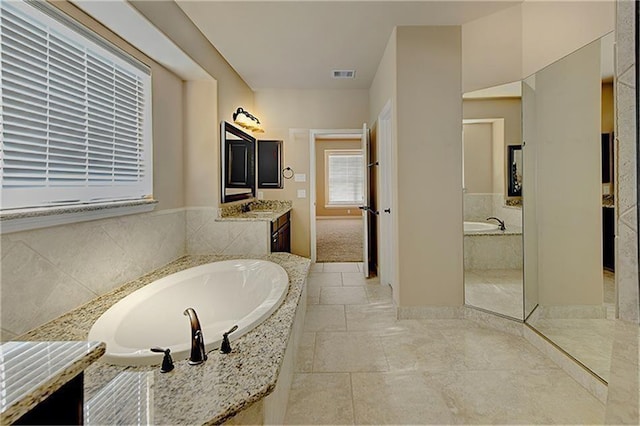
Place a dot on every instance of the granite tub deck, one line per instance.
(32, 371)
(216, 390)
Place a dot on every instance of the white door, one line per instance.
(386, 261)
(366, 200)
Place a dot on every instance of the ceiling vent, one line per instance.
(344, 74)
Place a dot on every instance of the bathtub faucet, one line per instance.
(501, 222)
(198, 353)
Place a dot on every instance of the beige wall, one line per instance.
(478, 158)
(553, 29)
(510, 110)
(492, 49)
(230, 92)
(289, 115)
(507, 108)
(384, 85)
(321, 147)
(429, 77)
(202, 149)
(516, 42)
(568, 203)
(500, 168)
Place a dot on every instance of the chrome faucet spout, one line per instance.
(500, 222)
(198, 352)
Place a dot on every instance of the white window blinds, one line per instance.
(75, 118)
(345, 181)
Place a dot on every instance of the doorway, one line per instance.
(336, 195)
(339, 193)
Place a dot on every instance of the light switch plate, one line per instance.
(300, 177)
(302, 193)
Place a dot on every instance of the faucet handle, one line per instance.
(225, 346)
(167, 361)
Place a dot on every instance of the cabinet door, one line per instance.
(284, 238)
(608, 238)
(270, 164)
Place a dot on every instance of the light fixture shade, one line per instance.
(246, 120)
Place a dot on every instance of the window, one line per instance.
(75, 116)
(344, 180)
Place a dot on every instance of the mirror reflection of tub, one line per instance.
(493, 269)
(493, 258)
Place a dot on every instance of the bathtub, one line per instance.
(243, 292)
(479, 226)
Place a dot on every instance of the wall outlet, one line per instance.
(302, 193)
(260, 195)
(348, 211)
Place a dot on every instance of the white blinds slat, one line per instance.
(71, 113)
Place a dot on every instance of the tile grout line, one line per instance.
(353, 403)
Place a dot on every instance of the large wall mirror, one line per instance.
(569, 292)
(493, 262)
(238, 163)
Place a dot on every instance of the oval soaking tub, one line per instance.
(242, 291)
(479, 226)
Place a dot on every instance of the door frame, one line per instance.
(314, 134)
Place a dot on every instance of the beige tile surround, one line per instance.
(49, 271)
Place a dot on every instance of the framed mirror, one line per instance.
(514, 163)
(238, 163)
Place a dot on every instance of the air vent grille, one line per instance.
(344, 74)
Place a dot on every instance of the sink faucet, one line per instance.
(501, 222)
(198, 353)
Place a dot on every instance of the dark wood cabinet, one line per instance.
(608, 237)
(607, 157)
(270, 164)
(281, 234)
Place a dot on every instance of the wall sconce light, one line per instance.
(247, 120)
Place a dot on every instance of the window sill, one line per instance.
(43, 217)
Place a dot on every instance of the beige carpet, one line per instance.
(339, 240)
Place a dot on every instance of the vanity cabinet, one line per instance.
(608, 238)
(281, 233)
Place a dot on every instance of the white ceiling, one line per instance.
(297, 44)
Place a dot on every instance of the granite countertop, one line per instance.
(259, 210)
(32, 371)
(256, 215)
(216, 390)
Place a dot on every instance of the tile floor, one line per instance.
(357, 364)
(590, 341)
(496, 290)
